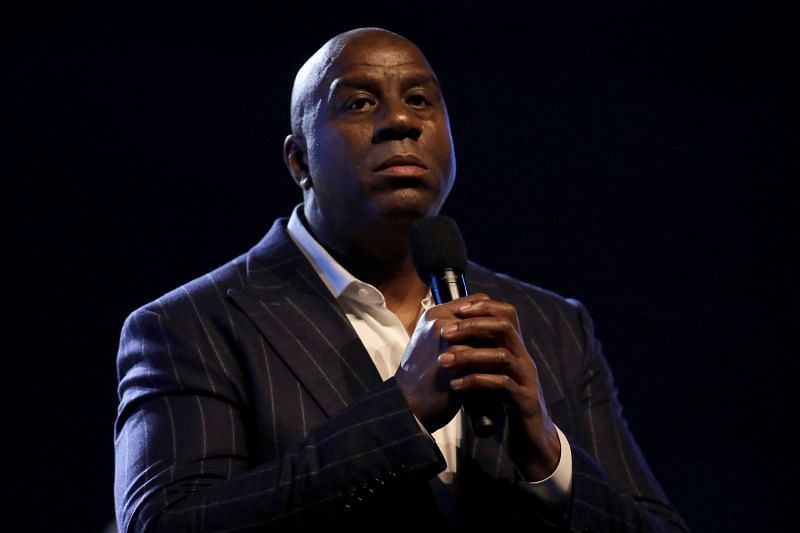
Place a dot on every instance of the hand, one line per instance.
(486, 353)
(423, 382)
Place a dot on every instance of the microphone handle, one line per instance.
(445, 287)
(482, 425)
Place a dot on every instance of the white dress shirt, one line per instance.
(385, 339)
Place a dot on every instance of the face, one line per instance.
(377, 138)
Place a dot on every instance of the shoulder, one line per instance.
(535, 305)
(197, 296)
(207, 294)
(509, 288)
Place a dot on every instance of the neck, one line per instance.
(380, 257)
(397, 280)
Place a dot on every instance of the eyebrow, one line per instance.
(369, 83)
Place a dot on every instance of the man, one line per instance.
(310, 383)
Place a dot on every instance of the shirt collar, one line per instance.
(336, 278)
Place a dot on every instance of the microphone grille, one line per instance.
(436, 245)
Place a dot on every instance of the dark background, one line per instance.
(633, 155)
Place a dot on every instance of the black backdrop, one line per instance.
(633, 156)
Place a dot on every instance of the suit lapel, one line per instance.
(301, 321)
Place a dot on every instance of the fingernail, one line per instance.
(446, 358)
(456, 383)
(449, 329)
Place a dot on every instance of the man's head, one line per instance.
(370, 138)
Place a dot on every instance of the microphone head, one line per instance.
(437, 245)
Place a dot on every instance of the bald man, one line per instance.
(311, 383)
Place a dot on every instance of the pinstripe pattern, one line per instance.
(310, 323)
(311, 358)
(541, 313)
(271, 403)
(594, 440)
(571, 330)
(555, 379)
(302, 409)
(167, 405)
(613, 518)
(247, 403)
(144, 417)
(623, 459)
(209, 338)
(222, 303)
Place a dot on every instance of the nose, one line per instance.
(396, 121)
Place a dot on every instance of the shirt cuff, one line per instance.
(556, 488)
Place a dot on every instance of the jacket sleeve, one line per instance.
(184, 456)
(613, 487)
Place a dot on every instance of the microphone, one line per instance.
(440, 258)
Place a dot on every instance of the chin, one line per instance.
(402, 217)
(410, 213)
(407, 204)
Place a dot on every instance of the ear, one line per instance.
(295, 156)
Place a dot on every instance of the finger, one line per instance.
(500, 384)
(487, 307)
(465, 301)
(528, 401)
(499, 329)
(490, 357)
(448, 309)
(463, 359)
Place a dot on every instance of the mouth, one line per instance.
(408, 166)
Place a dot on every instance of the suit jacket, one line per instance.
(248, 403)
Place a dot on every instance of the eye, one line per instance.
(418, 100)
(360, 103)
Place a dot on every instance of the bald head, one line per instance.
(370, 146)
(313, 76)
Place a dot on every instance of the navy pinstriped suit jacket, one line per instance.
(248, 403)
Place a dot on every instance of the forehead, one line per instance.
(386, 56)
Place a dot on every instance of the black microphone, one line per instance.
(440, 258)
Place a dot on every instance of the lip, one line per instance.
(401, 161)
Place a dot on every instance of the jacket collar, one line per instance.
(301, 321)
